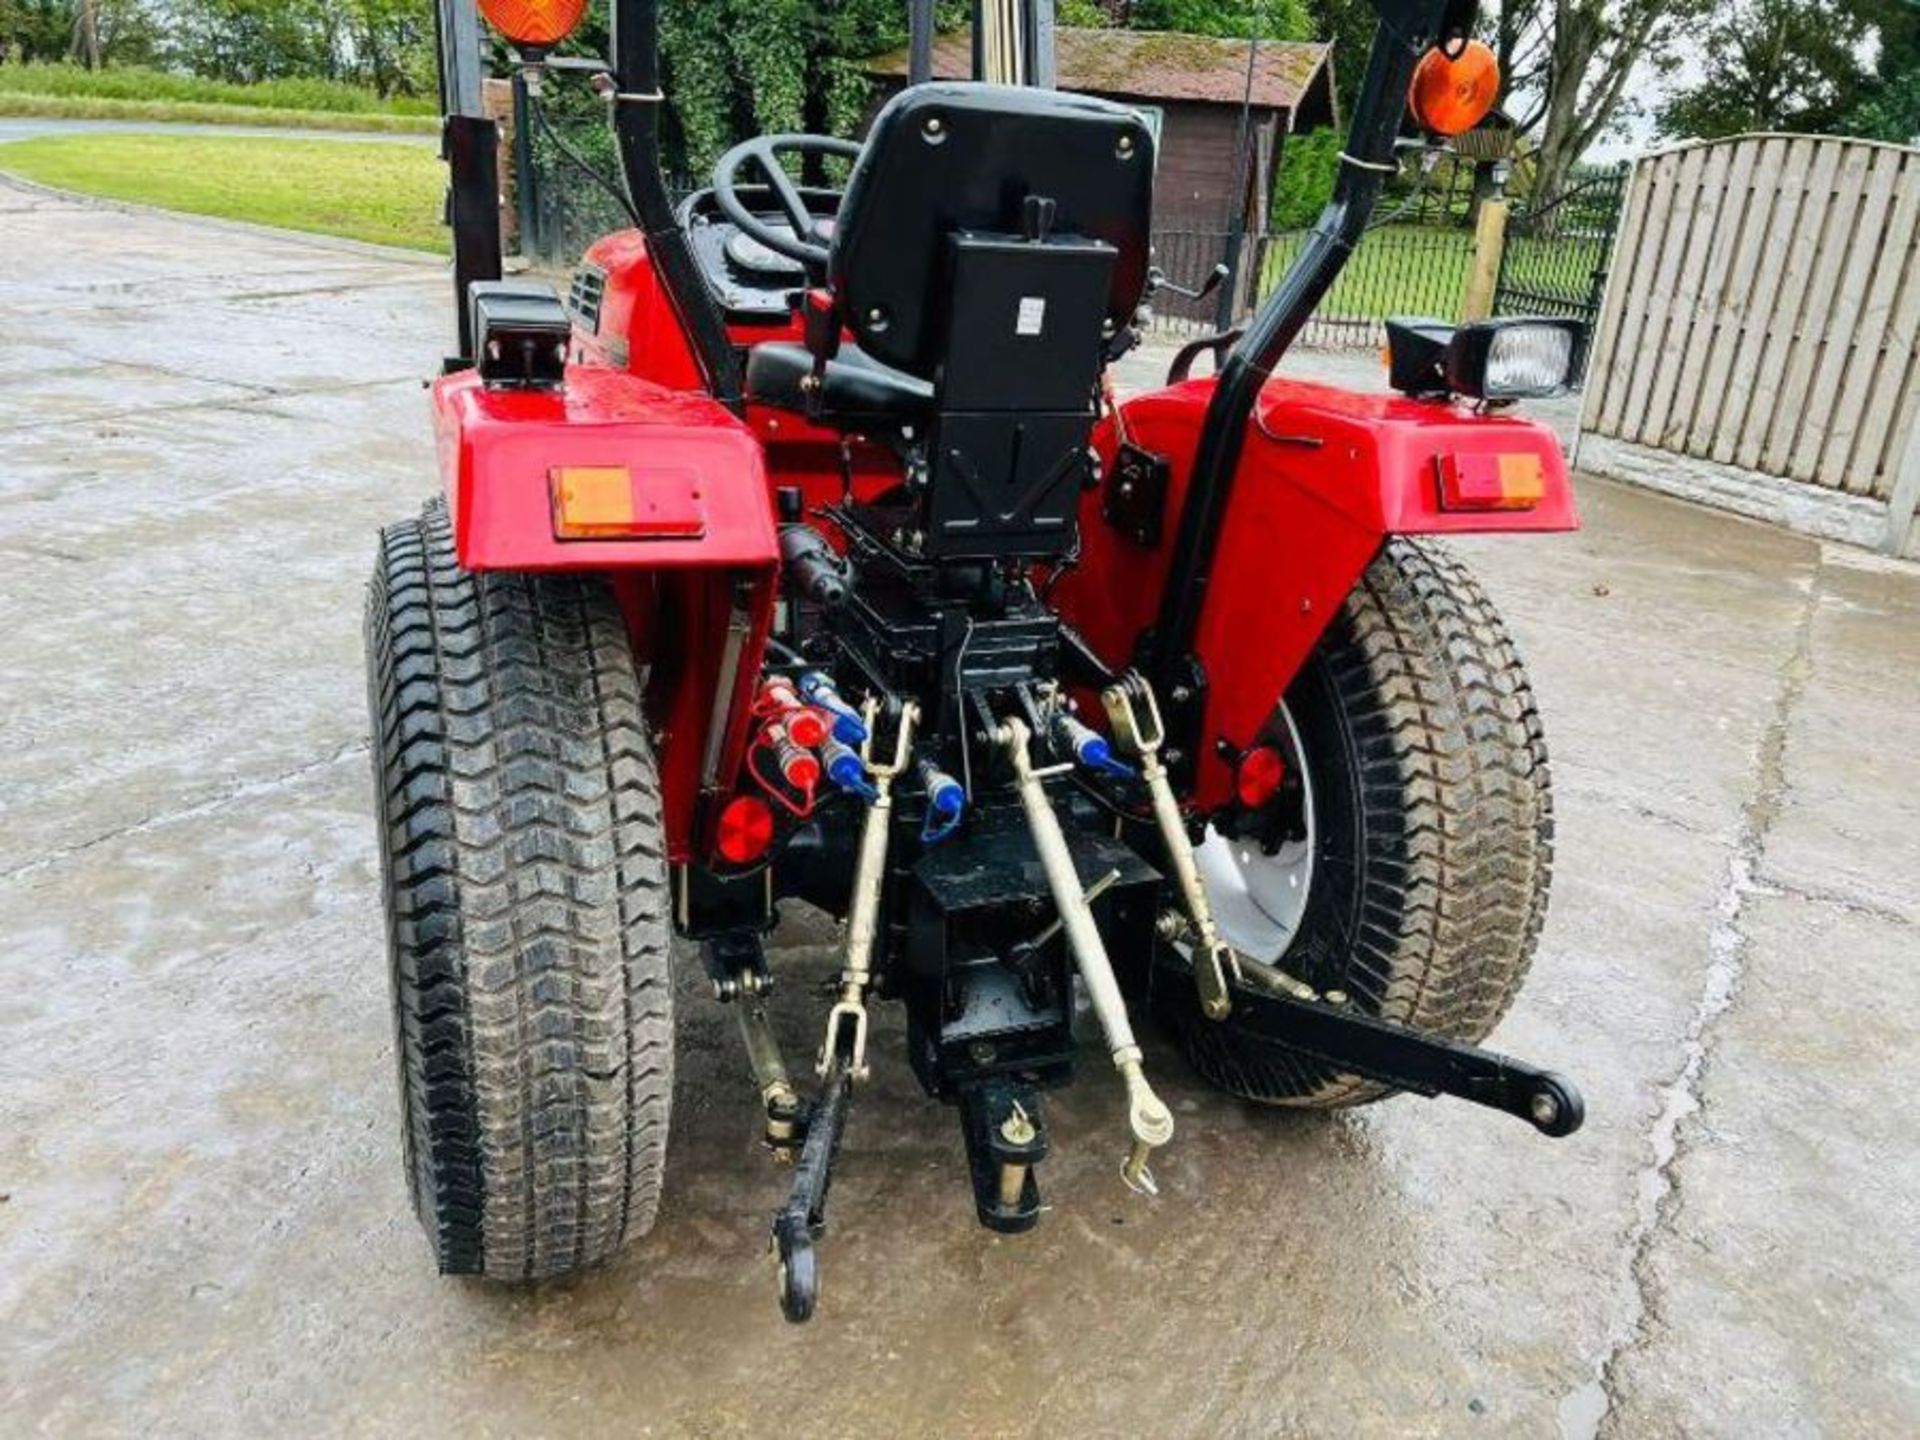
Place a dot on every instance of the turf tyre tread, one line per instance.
(1449, 812)
(527, 908)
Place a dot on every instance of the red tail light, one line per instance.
(745, 831)
(1490, 482)
(1258, 775)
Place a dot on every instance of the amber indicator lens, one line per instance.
(534, 22)
(1453, 92)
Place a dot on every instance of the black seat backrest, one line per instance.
(944, 159)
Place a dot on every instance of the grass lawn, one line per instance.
(386, 193)
(1397, 270)
(184, 112)
(1422, 270)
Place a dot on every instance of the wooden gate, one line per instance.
(1759, 346)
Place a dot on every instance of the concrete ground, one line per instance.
(203, 1227)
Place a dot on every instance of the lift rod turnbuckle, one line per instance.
(1137, 725)
(847, 1021)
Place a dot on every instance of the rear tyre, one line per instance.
(1431, 827)
(526, 897)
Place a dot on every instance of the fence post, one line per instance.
(526, 180)
(1483, 274)
(1903, 526)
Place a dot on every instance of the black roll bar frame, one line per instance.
(1407, 30)
(636, 127)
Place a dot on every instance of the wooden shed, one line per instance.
(1190, 88)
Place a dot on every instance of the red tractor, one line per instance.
(803, 554)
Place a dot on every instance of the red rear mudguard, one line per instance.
(699, 603)
(1326, 476)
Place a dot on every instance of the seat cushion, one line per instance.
(857, 388)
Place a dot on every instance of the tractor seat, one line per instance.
(856, 388)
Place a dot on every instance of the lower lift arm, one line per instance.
(1268, 1006)
(1267, 1003)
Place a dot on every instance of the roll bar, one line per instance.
(1407, 29)
(636, 126)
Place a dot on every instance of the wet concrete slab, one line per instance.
(205, 1231)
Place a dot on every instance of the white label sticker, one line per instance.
(1033, 314)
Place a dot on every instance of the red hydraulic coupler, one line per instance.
(797, 768)
(807, 724)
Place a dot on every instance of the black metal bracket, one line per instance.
(1135, 499)
(736, 964)
(1215, 345)
(469, 145)
(1359, 1044)
(803, 1219)
(1182, 697)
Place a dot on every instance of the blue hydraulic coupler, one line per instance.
(1089, 747)
(846, 769)
(946, 803)
(819, 689)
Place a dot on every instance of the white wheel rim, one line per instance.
(1258, 900)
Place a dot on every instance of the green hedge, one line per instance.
(137, 84)
(1305, 178)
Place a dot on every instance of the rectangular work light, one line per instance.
(1494, 360)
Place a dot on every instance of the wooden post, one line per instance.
(504, 105)
(1483, 275)
(1903, 528)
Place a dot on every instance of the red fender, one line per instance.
(1326, 476)
(682, 593)
(632, 397)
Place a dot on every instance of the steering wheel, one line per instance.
(806, 242)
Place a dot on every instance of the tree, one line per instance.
(1236, 19)
(86, 34)
(92, 32)
(737, 67)
(252, 40)
(1346, 25)
(388, 44)
(1589, 49)
(1892, 112)
(1773, 65)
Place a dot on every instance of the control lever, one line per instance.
(1157, 280)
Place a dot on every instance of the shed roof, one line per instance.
(1151, 65)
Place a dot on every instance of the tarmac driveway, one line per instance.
(203, 1228)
